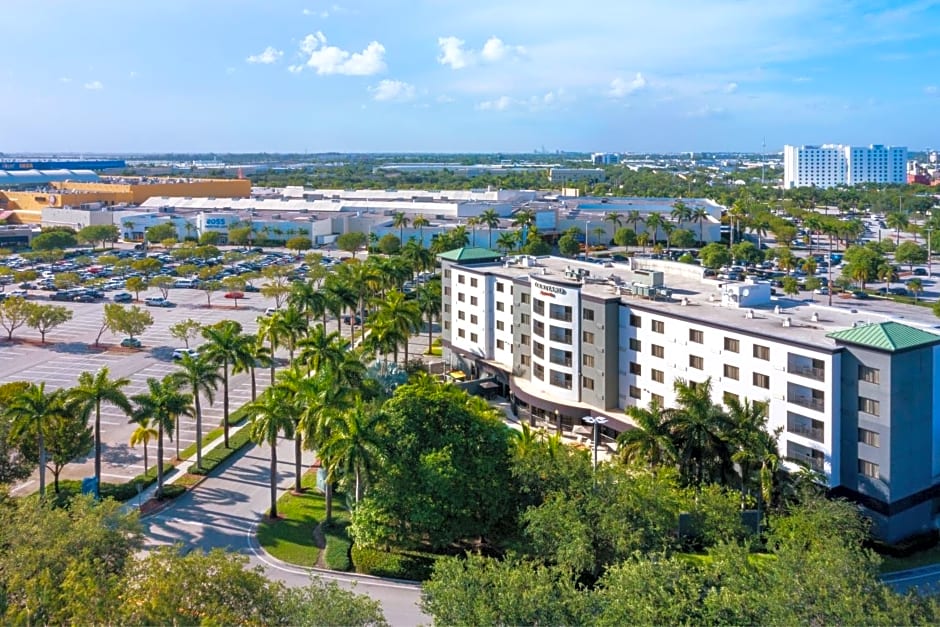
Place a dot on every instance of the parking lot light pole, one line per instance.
(929, 252)
(596, 421)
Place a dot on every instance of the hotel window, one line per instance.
(524, 318)
(560, 379)
(761, 380)
(446, 308)
(500, 306)
(868, 469)
(559, 357)
(473, 300)
(499, 325)
(461, 333)
(869, 406)
(524, 360)
(473, 337)
(500, 345)
(635, 368)
(657, 376)
(587, 361)
(869, 375)
(635, 392)
(461, 297)
(658, 351)
(539, 371)
(461, 278)
(587, 383)
(446, 291)
(473, 282)
(538, 306)
(558, 334)
(524, 339)
(559, 312)
(696, 335)
(524, 299)
(538, 328)
(871, 438)
(447, 274)
(588, 314)
(656, 399)
(732, 372)
(461, 315)
(635, 344)
(732, 345)
(587, 337)
(538, 349)
(659, 326)
(499, 287)
(696, 362)
(473, 319)
(446, 324)
(761, 352)
(636, 321)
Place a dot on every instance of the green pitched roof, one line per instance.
(886, 336)
(470, 254)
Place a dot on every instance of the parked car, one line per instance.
(20, 293)
(251, 288)
(84, 298)
(122, 297)
(156, 301)
(859, 294)
(179, 352)
(235, 295)
(131, 342)
(270, 311)
(920, 272)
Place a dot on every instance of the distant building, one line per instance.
(831, 165)
(605, 158)
(568, 175)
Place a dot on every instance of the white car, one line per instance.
(270, 311)
(179, 352)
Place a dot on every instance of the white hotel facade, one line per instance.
(831, 165)
(853, 393)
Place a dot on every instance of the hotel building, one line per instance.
(831, 165)
(850, 388)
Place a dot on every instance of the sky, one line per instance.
(102, 76)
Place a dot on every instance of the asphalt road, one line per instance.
(925, 580)
(225, 510)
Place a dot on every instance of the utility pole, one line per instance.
(763, 157)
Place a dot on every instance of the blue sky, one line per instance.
(451, 76)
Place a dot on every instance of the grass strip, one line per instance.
(290, 537)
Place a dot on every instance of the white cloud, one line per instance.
(931, 90)
(327, 59)
(454, 54)
(65, 79)
(444, 99)
(730, 88)
(393, 91)
(500, 104)
(620, 87)
(94, 85)
(267, 56)
(495, 50)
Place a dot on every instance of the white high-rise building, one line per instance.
(830, 165)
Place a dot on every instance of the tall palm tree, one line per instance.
(402, 315)
(753, 447)
(341, 296)
(700, 215)
(651, 440)
(400, 221)
(353, 444)
(303, 298)
(143, 434)
(897, 220)
(293, 327)
(161, 405)
(654, 222)
(270, 416)
(473, 222)
(201, 377)
(30, 411)
(257, 356)
(419, 257)
(269, 328)
(615, 218)
(681, 212)
(506, 241)
(490, 219)
(698, 426)
(322, 349)
(87, 396)
(428, 297)
(525, 220)
(419, 223)
(634, 217)
(226, 345)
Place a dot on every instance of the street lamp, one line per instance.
(587, 237)
(929, 251)
(597, 421)
(557, 422)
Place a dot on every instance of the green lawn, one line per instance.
(291, 537)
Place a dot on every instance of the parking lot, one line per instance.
(70, 350)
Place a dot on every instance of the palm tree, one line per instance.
(293, 326)
(490, 219)
(353, 444)
(226, 345)
(897, 220)
(257, 356)
(428, 297)
(400, 221)
(651, 440)
(634, 217)
(654, 222)
(698, 427)
(419, 223)
(270, 329)
(506, 241)
(473, 222)
(162, 405)
(753, 447)
(270, 416)
(91, 391)
(419, 257)
(525, 220)
(340, 296)
(143, 434)
(700, 215)
(916, 286)
(30, 411)
(681, 213)
(303, 297)
(322, 349)
(402, 315)
(615, 218)
(201, 377)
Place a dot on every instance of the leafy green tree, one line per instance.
(389, 244)
(137, 285)
(270, 417)
(14, 313)
(186, 330)
(747, 252)
(568, 246)
(210, 238)
(148, 266)
(916, 286)
(163, 284)
(714, 255)
(44, 318)
(225, 346)
(210, 287)
(13, 464)
(861, 264)
(201, 378)
(625, 237)
(910, 254)
(682, 238)
(93, 390)
(278, 284)
(325, 603)
(351, 242)
(143, 434)
(299, 243)
(66, 280)
(99, 233)
(30, 411)
(791, 286)
(160, 232)
(162, 404)
(239, 235)
(68, 436)
(54, 240)
(130, 321)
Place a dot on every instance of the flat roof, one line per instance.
(695, 293)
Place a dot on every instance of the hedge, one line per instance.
(212, 459)
(410, 565)
(338, 545)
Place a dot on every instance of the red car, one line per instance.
(235, 295)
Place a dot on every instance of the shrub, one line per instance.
(171, 491)
(410, 565)
(212, 459)
(338, 545)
